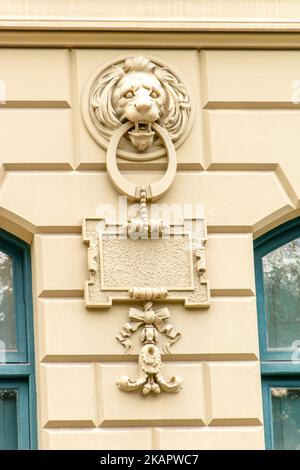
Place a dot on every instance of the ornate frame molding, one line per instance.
(102, 262)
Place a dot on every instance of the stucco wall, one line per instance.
(240, 161)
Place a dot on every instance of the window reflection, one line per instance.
(286, 418)
(281, 272)
(8, 420)
(8, 340)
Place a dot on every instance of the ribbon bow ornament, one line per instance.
(153, 322)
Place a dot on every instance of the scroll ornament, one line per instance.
(150, 378)
(139, 110)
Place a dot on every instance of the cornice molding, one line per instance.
(151, 15)
(209, 25)
(180, 24)
(149, 40)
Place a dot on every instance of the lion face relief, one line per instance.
(139, 98)
(142, 92)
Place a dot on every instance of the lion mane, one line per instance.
(173, 116)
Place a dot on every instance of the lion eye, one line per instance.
(129, 94)
(153, 94)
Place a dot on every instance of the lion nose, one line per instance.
(143, 106)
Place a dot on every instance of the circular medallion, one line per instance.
(142, 91)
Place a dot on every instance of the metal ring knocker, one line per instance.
(154, 190)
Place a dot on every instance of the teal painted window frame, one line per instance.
(23, 428)
(277, 368)
(20, 355)
(18, 372)
(267, 383)
(262, 246)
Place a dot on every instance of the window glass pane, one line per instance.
(8, 420)
(281, 272)
(7, 313)
(286, 418)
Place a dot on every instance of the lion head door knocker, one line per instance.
(140, 110)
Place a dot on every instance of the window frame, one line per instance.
(23, 427)
(262, 246)
(20, 355)
(267, 384)
(277, 367)
(18, 372)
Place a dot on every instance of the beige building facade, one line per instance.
(240, 161)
